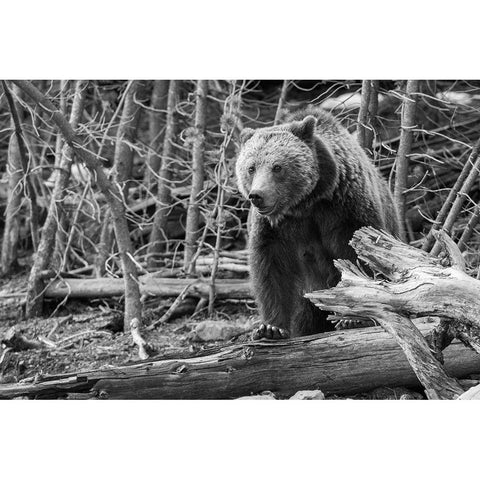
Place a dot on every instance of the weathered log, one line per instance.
(149, 285)
(412, 283)
(343, 362)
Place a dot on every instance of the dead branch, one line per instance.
(148, 284)
(417, 284)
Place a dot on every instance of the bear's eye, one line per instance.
(251, 170)
(277, 168)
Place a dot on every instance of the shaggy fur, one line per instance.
(317, 187)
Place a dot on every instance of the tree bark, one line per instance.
(406, 137)
(363, 113)
(156, 115)
(198, 176)
(157, 237)
(341, 363)
(12, 211)
(117, 207)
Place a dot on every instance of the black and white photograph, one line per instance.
(204, 203)
(256, 239)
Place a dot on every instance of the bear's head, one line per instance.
(280, 166)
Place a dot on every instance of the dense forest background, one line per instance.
(116, 193)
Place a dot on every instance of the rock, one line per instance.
(308, 395)
(263, 396)
(471, 394)
(213, 330)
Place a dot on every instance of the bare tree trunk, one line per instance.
(111, 192)
(18, 164)
(281, 102)
(230, 110)
(363, 113)
(47, 243)
(61, 235)
(122, 166)
(198, 176)
(461, 196)
(156, 115)
(157, 237)
(406, 136)
(457, 194)
(12, 211)
(467, 233)
(372, 117)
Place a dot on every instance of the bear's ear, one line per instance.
(246, 134)
(305, 129)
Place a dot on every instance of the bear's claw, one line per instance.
(265, 330)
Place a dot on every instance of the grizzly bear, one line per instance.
(311, 186)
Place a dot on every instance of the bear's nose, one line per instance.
(256, 198)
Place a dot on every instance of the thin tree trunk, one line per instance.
(363, 113)
(46, 247)
(281, 102)
(461, 196)
(198, 176)
(372, 117)
(467, 233)
(61, 235)
(122, 167)
(25, 165)
(406, 137)
(158, 238)
(156, 115)
(230, 110)
(110, 191)
(12, 211)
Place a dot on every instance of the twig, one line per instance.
(166, 316)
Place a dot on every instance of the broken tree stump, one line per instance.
(344, 363)
(407, 283)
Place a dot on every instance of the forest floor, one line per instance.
(88, 335)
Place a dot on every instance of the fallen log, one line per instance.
(408, 282)
(149, 285)
(342, 363)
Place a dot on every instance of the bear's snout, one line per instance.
(256, 198)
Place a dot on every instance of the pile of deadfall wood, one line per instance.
(429, 334)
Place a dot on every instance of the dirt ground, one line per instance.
(88, 335)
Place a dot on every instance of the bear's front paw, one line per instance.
(265, 330)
